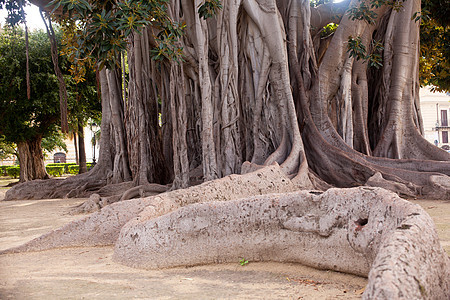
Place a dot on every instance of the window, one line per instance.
(444, 120)
(445, 137)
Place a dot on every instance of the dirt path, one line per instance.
(89, 273)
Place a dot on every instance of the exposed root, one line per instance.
(114, 189)
(377, 180)
(349, 230)
(95, 202)
(75, 186)
(143, 191)
(103, 227)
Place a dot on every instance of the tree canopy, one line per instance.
(22, 119)
(36, 119)
(435, 44)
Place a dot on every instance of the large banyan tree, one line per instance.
(249, 83)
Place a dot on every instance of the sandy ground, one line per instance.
(89, 273)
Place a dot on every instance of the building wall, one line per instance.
(431, 105)
(70, 154)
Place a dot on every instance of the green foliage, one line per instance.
(243, 261)
(65, 165)
(434, 64)
(53, 142)
(55, 171)
(374, 59)
(315, 3)
(99, 28)
(434, 67)
(3, 170)
(16, 14)
(7, 149)
(22, 119)
(362, 11)
(209, 8)
(167, 40)
(73, 169)
(356, 49)
(328, 30)
(13, 171)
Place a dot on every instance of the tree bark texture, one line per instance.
(75, 145)
(31, 159)
(82, 150)
(258, 83)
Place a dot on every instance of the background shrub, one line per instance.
(55, 170)
(73, 169)
(13, 171)
(65, 165)
(3, 170)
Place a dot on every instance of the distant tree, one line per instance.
(435, 44)
(49, 144)
(23, 121)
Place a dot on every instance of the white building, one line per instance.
(435, 109)
(70, 154)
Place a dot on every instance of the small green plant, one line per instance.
(243, 261)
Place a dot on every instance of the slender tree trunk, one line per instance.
(75, 144)
(31, 160)
(210, 170)
(82, 150)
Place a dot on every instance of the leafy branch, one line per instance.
(102, 28)
(356, 49)
(209, 8)
(364, 11)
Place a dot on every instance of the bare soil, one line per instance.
(89, 273)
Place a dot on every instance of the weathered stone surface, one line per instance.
(410, 263)
(348, 230)
(103, 227)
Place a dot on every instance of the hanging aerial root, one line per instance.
(103, 227)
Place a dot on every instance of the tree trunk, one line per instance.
(82, 150)
(259, 83)
(31, 160)
(75, 144)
